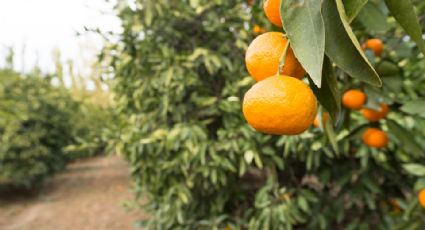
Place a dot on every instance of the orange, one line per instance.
(354, 99)
(258, 30)
(250, 2)
(263, 56)
(421, 197)
(325, 117)
(374, 115)
(280, 105)
(272, 11)
(395, 205)
(374, 137)
(375, 44)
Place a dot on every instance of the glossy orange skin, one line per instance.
(375, 138)
(280, 105)
(421, 198)
(263, 56)
(375, 44)
(325, 117)
(374, 115)
(272, 10)
(354, 99)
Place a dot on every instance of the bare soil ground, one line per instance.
(89, 195)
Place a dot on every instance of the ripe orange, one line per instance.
(375, 44)
(258, 29)
(374, 137)
(280, 105)
(272, 11)
(263, 56)
(421, 197)
(325, 117)
(354, 99)
(374, 115)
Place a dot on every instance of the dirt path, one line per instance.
(89, 195)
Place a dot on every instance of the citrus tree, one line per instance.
(35, 126)
(210, 147)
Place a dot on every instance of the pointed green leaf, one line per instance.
(404, 12)
(342, 46)
(330, 133)
(305, 29)
(405, 137)
(328, 94)
(353, 7)
(415, 169)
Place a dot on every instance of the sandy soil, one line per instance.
(89, 195)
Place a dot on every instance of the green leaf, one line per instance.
(373, 18)
(415, 169)
(328, 94)
(342, 46)
(330, 133)
(404, 12)
(353, 7)
(306, 31)
(405, 138)
(415, 107)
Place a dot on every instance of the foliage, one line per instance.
(93, 128)
(180, 78)
(35, 125)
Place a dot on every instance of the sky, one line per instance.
(34, 28)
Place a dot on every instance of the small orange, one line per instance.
(374, 137)
(263, 56)
(280, 105)
(325, 117)
(394, 205)
(258, 29)
(421, 197)
(272, 11)
(354, 99)
(375, 44)
(374, 115)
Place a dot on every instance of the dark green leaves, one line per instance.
(305, 29)
(328, 95)
(405, 137)
(404, 12)
(353, 7)
(342, 46)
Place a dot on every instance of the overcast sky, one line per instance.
(42, 25)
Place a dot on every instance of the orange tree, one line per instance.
(36, 125)
(180, 78)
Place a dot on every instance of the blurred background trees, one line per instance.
(44, 124)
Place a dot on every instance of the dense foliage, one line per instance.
(35, 126)
(179, 79)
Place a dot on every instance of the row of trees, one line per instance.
(180, 78)
(45, 125)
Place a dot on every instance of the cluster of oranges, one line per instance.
(280, 102)
(355, 99)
